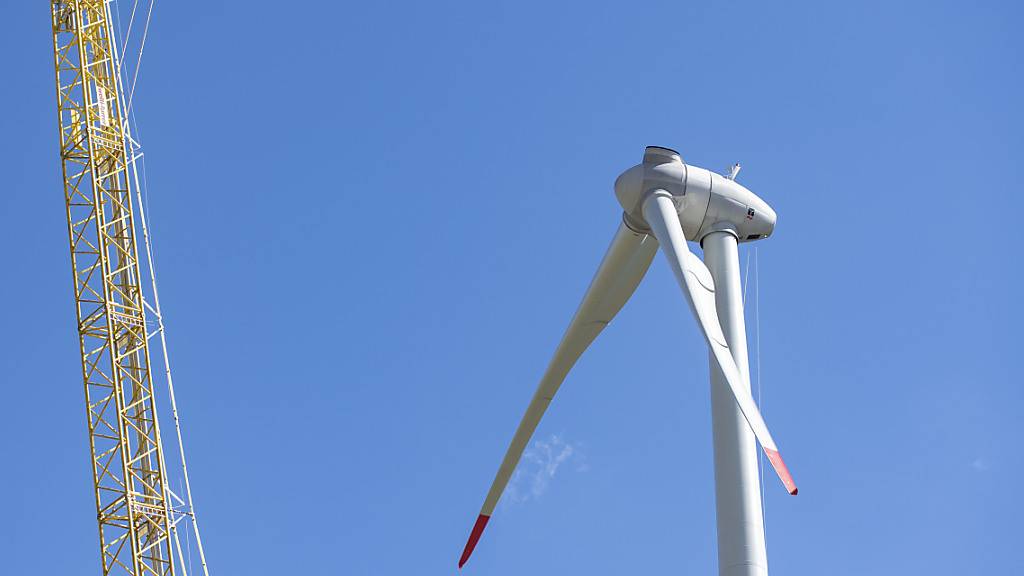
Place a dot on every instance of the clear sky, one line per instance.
(373, 222)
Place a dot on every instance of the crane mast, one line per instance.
(134, 505)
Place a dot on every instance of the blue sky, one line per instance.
(374, 220)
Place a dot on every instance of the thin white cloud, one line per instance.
(538, 466)
(980, 464)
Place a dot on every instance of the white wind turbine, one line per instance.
(667, 202)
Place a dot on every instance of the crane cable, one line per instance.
(127, 38)
(757, 360)
(132, 124)
(141, 47)
(131, 22)
(757, 363)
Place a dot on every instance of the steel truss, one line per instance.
(133, 505)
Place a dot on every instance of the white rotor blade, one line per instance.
(621, 270)
(695, 279)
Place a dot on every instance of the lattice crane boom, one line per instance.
(134, 507)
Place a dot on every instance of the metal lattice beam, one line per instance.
(124, 437)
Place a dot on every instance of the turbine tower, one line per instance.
(667, 202)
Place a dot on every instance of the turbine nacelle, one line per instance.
(705, 201)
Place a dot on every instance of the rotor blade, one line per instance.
(695, 279)
(621, 270)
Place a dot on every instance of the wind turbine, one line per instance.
(667, 202)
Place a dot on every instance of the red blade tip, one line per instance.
(780, 468)
(474, 536)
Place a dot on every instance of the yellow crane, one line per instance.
(137, 512)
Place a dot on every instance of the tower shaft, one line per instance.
(129, 475)
(741, 544)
